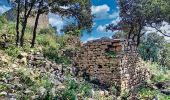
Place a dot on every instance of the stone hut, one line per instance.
(111, 62)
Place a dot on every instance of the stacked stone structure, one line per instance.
(124, 70)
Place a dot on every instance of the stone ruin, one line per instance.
(125, 69)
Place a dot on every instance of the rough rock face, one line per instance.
(43, 20)
(111, 62)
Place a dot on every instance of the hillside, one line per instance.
(36, 63)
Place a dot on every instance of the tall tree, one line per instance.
(28, 6)
(39, 12)
(79, 10)
(17, 23)
(136, 14)
(23, 8)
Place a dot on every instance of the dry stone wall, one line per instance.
(111, 62)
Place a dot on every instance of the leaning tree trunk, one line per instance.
(17, 23)
(35, 30)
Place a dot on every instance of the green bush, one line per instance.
(62, 40)
(158, 73)
(47, 31)
(69, 95)
(2, 21)
(114, 90)
(52, 54)
(72, 84)
(111, 54)
(12, 51)
(74, 88)
(11, 28)
(146, 93)
(125, 95)
(85, 89)
(47, 40)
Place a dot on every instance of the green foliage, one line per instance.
(47, 31)
(111, 54)
(125, 95)
(146, 93)
(159, 74)
(150, 47)
(26, 80)
(47, 40)
(72, 29)
(74, 88)
(52, 54)
(12, 51)
(62, 40)
(85, 89)
(164, 58)
(114, 90)
(154, 48)
(11, 28)
(2, 21)
(69, 95)
(30, 81)
(72, 84)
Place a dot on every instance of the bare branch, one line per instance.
(160, 31)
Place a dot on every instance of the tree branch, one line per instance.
(160, 31)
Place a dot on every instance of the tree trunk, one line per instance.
(35, 30)
(139, 35)
(36, 24)
(22, 34)
(17, 23)
(26, 15)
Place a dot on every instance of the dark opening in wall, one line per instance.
(100, 66)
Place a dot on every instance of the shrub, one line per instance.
(114, 90)
(11, 28)
(12, 51)
(47, 40)
(47, 31)
(62, 40)
(146, 93)
(111, 54)
(52, 54)
(85, 89)
(125, 95)
(158, 73)
(69, 95)
(74, 88)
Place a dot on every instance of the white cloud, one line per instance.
(3, 9)
(100, 9)
(165, 28)
(116, 20)
(103, 12)
(101, 28)
(56, 21)
(114, 15)
(100, 12)
(90, 38)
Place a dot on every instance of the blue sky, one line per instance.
(105, 11)
(3, 6)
